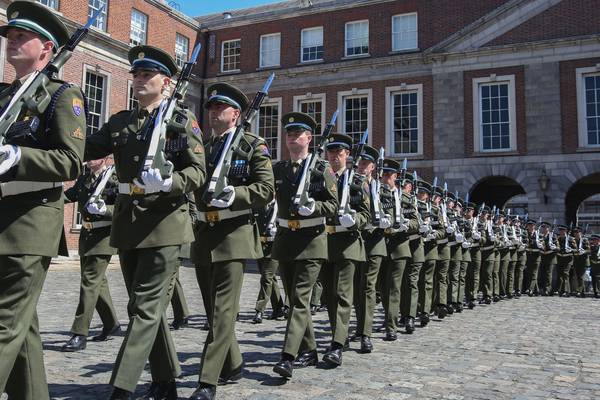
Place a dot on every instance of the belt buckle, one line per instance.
(330, 229)
(212, 216)
(136, 189)
(294, 224)
(87, 225)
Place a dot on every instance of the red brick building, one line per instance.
(99, 65)
(500, 98)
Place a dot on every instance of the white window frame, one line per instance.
(322, 97)
(107, 89)
(102, 17)
(145, 26)
(187, 50)
(581, 74)
(255, 126)
(346, 38)
(302, 60)
(261, 64)
(130, 96)
(394, 44)
(342, 96)
(229, 71)
(512, 113)
(74, 225)
(389, 124)
(3, 57)
(53, 4)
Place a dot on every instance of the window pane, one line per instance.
(49, 3)
(357, 38)
(93, 6)
(268, 127)
(182, 45)
(495, 116)
(404, 32)
(405, 122)
(269, 50)
(139, 26)
(312, 44)
(592, 108)
(356, 116)
(94, 88)
(230, 57)
(314, 108)
(132, 102)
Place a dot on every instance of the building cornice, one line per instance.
(179, 16)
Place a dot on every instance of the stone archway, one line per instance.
(495, 190)
(580, 190)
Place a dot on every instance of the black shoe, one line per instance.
(442, 311)
(471, 304)
(333, 357)
(346, 345)
(306, 359)
(283, 368)
(450, 308)
(277, 313)
(517, 294)
(582, 295)
(544, 293)
(258, 317)
(204, 392)
(120, 394)
(487, 300)
(410, 325)
(496, 298)
(161, 391)
(107, 333)
(313, 310)
(365, 344)
(179, 323)
(355, 337)
(391, 336)
(424, 319)
(401, 321)
(235, 375)
(76, 343)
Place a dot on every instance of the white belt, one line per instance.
(130, 188)
(87, 225)
(19, 187)
(336, 229)
(221, 215)
(452, 243)
(294, 224)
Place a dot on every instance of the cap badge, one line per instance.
(141, 54)
(292, 119)
(14, 15)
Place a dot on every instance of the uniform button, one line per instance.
(114, 143)
(138, 137)
(136, 158)
(136, 202)
(173, 204)
(211, 224)
(44, 201)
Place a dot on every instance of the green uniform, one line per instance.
(346, 250)
(95, 254)
(581, 260)
(564, 256)
(595, 269)
(225, 239)
(466, 260)
(430, 251)
(178, 301)
(474, 266)
(32, 228)
(455, 258)
(440, 279)
(302, 250)
(547, 264)
(521, 260)
(533, 263)
(410, 282)
(148, 230)
(488, 259)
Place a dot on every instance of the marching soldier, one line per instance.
(564, 254)
(548, 261)
(512, 259)
(474, 225)
(95, 254)
(43, 150)
(521, 235)
(150, 221)
(595, 263)
(581, 260)
(466, 254)
(488, 256)
(455, 240)
(535, 246)
(227, 235)
(501, 255)
(301, 242)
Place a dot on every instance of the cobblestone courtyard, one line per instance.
(529, 348)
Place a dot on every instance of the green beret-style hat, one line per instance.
(298, 120)
(225, 93)
(150, 58)
(339, 141)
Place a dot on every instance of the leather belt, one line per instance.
(533, 250)
(473, 245)
(295, 224)
(442, 241)
(88, 225)
(221, 215)
(19, 187)
(130, 189)
(331, 229)
(488, 247)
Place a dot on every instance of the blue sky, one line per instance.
(203, 7)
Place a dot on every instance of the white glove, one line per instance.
(552, 246)
(97, 208)
(224, 201)
(347, 220)
(9, 157)
(460, 238)
(492, 238)
(308, 209)
(450, 229)
(152, 182)
(476, 235)
(272, 231)
(430, 236)
(423, 228)
(385, 223)
(465, 245)
(403, 228)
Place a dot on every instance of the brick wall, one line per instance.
(568, 18)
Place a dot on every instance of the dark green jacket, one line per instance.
(374, 236)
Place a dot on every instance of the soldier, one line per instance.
(501, 257)
(474, 225)
(227, 235)
(509, 283)
(595, 263)
(301, 242)
(521, 238)
(548, 261)
(365, 277)
(266, 219)
(150, 222)
(455, 240)
(33, 166)
(466, 254)
(94, 254)
(488, 255)
(535, 245)
(581, 260)
(566, 246)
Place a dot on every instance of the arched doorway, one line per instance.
(518, 205)
(582, 197)
(495, 190)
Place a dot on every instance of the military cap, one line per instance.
(595, 236)
(438, 191)
(339, 141)
(531, 221)
(561, 227)
(36, 18)
(470, 206)
(460, 202)
(423, 186)
(226, 94)
(486, 210)
(407, 178)
(544, 223)
(501, 213)
(298, 120)
(576, 229)
(390, 165)
(150, 58)
(451, 196)
(370, 153)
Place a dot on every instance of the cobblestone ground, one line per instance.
(528, 348)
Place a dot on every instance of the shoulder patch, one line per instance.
(199, 149)
(78, 134)
(77, 106)
(196, 128)
(264, 149)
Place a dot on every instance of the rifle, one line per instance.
(398, 212)
(344, 207)
(301, 197)
(165, 117)
(218, 180)
(376, 187)
(100, 184)
(33, 95)
(272, 225)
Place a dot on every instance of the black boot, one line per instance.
(285, 367)
(424, 319)
(204, 391)
(277, 313)
(76, 343)
(161, 391)
(365, 344)
(258, 317)
(333, 357)
(442, 311)
(120, 394)
(306, 359)
(410, 325)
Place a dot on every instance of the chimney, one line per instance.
(226, 15)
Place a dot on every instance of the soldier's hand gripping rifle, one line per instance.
(33, 95)
(233, 145)
(271, 224)
(344, 208)
(165, 117)
(399, 222)
(376, 188)
(100, 184)
(301, 197)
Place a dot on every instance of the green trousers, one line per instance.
(547, 266)
(94, 294)
(391, 287)
(510, 278)
(564, 265)
(453, 276)
(531, 272)
(409, 300)
(178, 301)
(339, 281)
(440, 282)
(202, 277)
(496, 274)
(221, 354)
(317, 297)
(269, 289)
(365, 282)
(473, 274)
(299, 278)
(519, 271)
(578, 272)
(426, 287)
(595, 272)
(149, 276)
(488, 260)
(22, 373)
